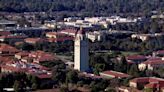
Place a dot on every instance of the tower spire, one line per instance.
(81, 57)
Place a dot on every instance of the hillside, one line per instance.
(90, 6)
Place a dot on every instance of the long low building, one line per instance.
(113, 74)
(156, 84)
(28, 68)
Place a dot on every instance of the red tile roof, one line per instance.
(27, 58)
(33, 40)
(29, 68)
(136, 57)
(160, 52)
(116, 74)
(154, 58)
(130, 89)
(41, 56)
(159, 84)
(37, 53)
(4, 59)
(44, 76)
(146, 79)
(13, 69)
(152, 85)
(5, 47)
(150, 82)
(23, 53)
(13, 37)
(4, 33)
(89, 75)
(40, 75)
(19, 43)
(154, 62)
(60, 39)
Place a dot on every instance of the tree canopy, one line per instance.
(87, 6)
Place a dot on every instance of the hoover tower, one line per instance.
(81, 56)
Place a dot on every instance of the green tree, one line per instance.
(25, 46)
(34, 80)
(121, 65)
(110, 89)
(34, 86)
(148, 90)
(17, 86)
(72, 76)
(64, 88)
(134, 71)
(1, 85)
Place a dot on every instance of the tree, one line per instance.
(87, 7)
(154, 26)
(17, 86)
(110, 89)
(148, 90)
(72, 76)
(115, 82)
(25, 46)
(134, 70)
(124, 64)
(59, 76)
(99, 68)
(64, 89)
(34, 80)
(34, 86)
(1, 85)
(121, 65)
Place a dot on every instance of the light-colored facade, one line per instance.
(145, 37)
(95, 36)
(132, 84)
(151, 64)
(81, 53)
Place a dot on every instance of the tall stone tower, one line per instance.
(81, 55)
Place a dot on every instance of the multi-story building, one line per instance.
(95, 36)
(151, 64)
(81, 52)
(156, 84)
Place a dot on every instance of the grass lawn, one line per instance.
(126, 53)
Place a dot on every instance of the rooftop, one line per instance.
(8, 48)
(152, 62)
(146, 79)
(151, 82)
(115, 73)
(30, 68)
(23, 53)
(33, 40)
(4, 33)
(136, 57)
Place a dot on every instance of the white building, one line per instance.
(145, 37)
(151, 64)
(81, 53)
(95, 36)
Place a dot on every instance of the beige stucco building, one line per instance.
(81, 56)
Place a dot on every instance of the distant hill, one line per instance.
(91, 6)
